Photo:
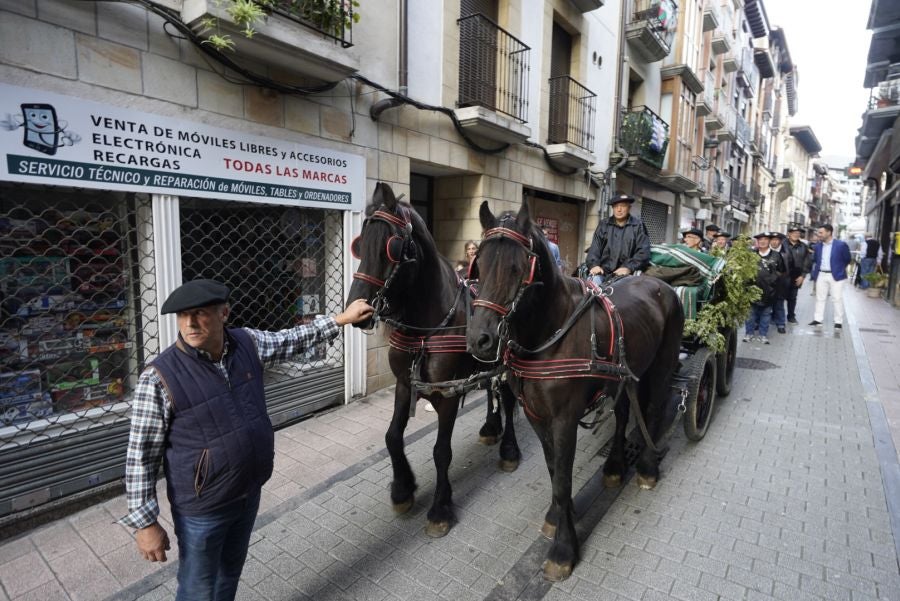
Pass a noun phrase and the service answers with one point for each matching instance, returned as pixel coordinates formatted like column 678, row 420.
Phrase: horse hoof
column 509, row 465
column 556, row 572
column 437, row 529
column 612, row 480
column 401, row 508
column 646, row 482
column 548, row 530
column 488, row 440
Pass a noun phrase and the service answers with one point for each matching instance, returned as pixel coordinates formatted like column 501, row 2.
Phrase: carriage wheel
column 701, row 397
column 725, row 362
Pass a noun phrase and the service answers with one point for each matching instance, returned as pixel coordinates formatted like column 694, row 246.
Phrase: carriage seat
column 691, row 273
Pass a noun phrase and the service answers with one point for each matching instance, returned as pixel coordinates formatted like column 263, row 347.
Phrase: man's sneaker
column 764, row 340
column 815, row 323
column 838, row 326
column 747, row 338
column 792, row 320
column 781, row 330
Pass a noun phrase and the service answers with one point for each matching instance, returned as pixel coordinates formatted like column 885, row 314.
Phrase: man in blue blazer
column 829, row 272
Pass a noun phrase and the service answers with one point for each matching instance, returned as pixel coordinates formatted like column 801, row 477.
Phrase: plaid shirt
column 151, row 413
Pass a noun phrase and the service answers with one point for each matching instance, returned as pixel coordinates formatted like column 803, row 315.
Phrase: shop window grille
column 283, row 265
column 78, row 312
column 655, row 216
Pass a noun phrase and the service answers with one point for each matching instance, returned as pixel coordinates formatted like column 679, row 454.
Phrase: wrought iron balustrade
column 645, row 134
column 493, row 68
column 332, row 18
column 572, row 109
column 660, row 17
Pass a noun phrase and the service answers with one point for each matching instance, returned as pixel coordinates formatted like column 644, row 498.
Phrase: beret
column 621, row 198
column 692, row 230
column 763, row 235
column 712, row 226
column 196, row 293
column 722, row 235
column 777, row 235
column 794, row 228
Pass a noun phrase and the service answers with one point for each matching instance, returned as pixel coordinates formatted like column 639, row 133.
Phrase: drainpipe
column 402, row 69
column 620, row 64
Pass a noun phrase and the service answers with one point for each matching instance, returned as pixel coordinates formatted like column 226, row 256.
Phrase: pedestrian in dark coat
column 799, row 262
column 770, row 269
column 779, row 315
column 621, row 244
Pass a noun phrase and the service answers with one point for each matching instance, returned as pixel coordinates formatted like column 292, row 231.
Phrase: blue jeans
column 866, row 266
column 212, row 548
column 778, row 314
column 760, row 316
column 597, row 279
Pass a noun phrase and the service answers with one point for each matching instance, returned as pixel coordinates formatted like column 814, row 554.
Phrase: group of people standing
column 784, row 264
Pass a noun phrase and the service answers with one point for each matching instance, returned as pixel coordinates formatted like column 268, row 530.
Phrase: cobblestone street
column 783, row 499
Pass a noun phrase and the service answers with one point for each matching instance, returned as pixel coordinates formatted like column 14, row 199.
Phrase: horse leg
column 551, row 518
column 615, row 466
column 440, row 516
column 509, row 447
column 403, row 486
column 653, row 394
column 490, row 431
column 564, row 552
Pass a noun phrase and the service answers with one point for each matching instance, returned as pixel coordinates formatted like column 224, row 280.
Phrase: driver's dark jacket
column 798, row 259
column 617, row 246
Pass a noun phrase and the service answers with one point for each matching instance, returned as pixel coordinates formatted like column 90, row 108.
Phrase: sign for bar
column 48, row 138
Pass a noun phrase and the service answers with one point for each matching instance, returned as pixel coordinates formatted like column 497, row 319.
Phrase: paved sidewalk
column 783, row 499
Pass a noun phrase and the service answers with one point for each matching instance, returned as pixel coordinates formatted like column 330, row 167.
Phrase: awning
column 740, row 215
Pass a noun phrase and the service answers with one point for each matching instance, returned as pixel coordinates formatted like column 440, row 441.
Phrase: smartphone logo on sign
column 41, row 128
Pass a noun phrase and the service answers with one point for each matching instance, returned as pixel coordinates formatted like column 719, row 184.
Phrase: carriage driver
column 621, row 244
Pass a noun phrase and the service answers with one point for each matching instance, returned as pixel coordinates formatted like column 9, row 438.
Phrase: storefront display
column 65, row 341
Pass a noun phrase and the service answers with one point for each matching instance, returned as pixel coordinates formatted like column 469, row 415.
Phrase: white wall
column 603, row 31
column 532, row 28
column 426, row 39
column 376, row 41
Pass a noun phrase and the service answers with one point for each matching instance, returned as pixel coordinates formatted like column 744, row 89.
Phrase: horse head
column 387, row 251
column 512, row 258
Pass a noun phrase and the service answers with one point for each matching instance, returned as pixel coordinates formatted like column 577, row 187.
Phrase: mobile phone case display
column 63, row 331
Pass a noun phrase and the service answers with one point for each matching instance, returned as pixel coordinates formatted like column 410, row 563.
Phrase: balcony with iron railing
column 755, row 198
column 493, row 80
column 742, row 131
column 651, row 28
column 881, row 112
column 728, row 116
column 747, row 75
column 711, row 16
column 645, row 136
column 570, row 131
column 707, row 102
column 311, row 38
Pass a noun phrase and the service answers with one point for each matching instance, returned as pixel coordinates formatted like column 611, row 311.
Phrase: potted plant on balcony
column 877, row 280
column 888, row 94
column 331, row 17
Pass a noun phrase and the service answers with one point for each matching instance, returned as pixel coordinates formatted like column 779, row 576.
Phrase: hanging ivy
column 733, row 308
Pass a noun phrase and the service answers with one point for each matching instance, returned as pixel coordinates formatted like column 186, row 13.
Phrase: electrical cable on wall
column 173, row 19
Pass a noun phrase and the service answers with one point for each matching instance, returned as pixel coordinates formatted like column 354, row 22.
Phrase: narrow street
column 784, row 499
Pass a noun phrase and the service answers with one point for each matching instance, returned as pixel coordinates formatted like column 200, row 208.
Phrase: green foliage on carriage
column 723, row 293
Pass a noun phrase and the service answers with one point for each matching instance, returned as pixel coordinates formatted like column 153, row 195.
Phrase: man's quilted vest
column 220, row 445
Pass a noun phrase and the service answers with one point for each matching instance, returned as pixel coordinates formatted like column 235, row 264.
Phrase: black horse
column 418, row 293
column 564, row 345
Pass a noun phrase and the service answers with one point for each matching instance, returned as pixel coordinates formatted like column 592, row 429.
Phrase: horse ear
column 487, row 218
column 387, row 195
column 523, row 219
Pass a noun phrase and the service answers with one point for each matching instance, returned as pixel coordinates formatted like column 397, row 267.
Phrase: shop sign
column 52, row 139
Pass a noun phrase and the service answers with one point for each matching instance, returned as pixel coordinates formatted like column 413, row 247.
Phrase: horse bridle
column 506, row 311
column 399, row 249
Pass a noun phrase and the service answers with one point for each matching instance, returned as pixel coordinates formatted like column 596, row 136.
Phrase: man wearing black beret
column 692, row 238
column 621, row 244
column 711, row 230
column 199, row 408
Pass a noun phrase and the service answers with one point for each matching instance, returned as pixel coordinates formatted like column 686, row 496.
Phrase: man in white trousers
column 829, row 272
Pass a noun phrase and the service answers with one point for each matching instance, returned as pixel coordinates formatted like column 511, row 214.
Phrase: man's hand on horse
column 596, row 270
column 358, row 310
column 622, row 271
